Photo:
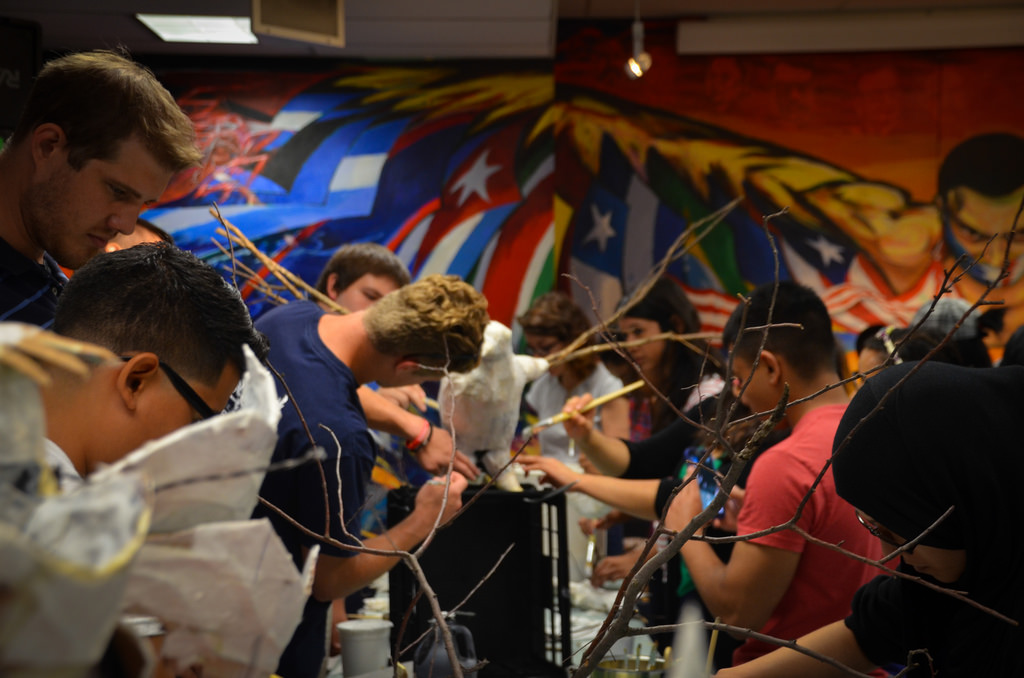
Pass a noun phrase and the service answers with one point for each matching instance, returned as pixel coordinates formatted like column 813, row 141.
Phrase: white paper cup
column 365, row 645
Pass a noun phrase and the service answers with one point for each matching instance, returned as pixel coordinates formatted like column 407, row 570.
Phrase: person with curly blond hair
column 413, row 334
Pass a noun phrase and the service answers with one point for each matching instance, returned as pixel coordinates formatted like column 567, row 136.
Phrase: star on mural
column 602, row 231
column 475, row 179
column 829, row 251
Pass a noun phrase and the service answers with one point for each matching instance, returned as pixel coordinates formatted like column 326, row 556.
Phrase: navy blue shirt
column 28, row 290
column 324, row 389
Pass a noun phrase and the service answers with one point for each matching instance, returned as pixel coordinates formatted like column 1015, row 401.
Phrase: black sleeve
column 665, row 488
column 876, row 620
column 662, row 455
column 659, row 455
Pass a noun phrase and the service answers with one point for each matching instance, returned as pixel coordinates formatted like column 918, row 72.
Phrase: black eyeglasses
column 187, row 392
column 885, row 535
column 542, row 350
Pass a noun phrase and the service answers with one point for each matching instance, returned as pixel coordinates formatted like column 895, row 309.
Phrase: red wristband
column 417, row 443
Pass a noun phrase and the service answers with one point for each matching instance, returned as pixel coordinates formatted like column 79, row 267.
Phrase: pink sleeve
column 774, row 491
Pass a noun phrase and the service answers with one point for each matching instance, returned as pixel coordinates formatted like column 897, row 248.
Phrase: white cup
column 365, row 645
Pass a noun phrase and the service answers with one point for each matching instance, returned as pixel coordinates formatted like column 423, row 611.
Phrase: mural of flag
column 490, row 171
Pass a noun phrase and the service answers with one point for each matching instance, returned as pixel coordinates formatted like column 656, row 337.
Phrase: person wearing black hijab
column 917, row 440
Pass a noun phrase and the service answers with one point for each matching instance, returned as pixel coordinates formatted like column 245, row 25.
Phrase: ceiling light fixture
column 640, row 62
column 216, row 29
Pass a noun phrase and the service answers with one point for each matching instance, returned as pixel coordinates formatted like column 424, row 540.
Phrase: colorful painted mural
column 889, row 166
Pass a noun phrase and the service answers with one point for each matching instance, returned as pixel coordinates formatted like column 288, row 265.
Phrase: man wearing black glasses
column 178, row 328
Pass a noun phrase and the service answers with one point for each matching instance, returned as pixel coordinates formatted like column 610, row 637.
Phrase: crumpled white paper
column 228, row 595
column 228, row 592
column 481, row 407
column 25, row 352
column 64, row 570
column 223, row 586
column 63, row 558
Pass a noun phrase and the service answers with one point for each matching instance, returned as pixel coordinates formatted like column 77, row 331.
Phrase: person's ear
column 332, row 282
column 772, row 366
column 138, row 375
column 47, row 140
column 409, row 370
column 406, row 365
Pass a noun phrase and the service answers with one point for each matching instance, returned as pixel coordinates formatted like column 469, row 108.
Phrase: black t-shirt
column 28, row 290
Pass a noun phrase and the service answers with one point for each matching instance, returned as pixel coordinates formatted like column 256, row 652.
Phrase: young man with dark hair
column 178, row 328
column 781, row 584
column 98, row 140
column 359, row 274
column 415, row 333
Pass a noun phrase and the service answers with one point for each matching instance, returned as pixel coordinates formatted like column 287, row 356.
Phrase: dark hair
column 351, row 262
column 1013, row 352
column 156, row 297
column 807, row 348
column 155, row 230
column 556, row 315
column 102, row 98
column 991, row 164
column 667, row 304
column 865, row 336
column 913, row 347
column 992, row 320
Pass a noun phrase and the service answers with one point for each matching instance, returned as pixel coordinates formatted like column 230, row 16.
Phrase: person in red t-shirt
column 781, row 584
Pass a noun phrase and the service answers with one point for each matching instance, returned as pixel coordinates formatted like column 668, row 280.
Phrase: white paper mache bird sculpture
column 481, row 407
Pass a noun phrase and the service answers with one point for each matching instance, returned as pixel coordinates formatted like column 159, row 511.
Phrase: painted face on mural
column 981, row 227
column 819, row 134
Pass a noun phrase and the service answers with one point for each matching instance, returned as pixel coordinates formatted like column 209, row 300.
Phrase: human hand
column 169, row 667
column 588, row 466
column 404, row 396
column 555, row 472
column 728, row 522
column 612, row 568
column 432, row 495
column 435, row 455
column 338, row 615
column 684, row 506
column 610, row 519
column 579, row 425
